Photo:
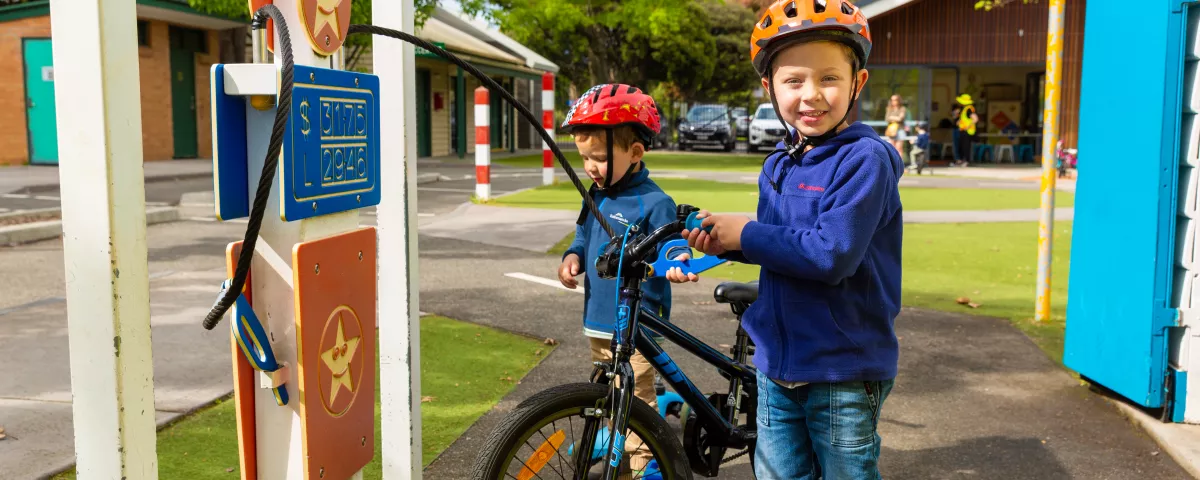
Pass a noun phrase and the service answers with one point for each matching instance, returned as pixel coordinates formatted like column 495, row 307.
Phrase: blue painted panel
column 331, row 145
column 1122, row 253
column 229, row 150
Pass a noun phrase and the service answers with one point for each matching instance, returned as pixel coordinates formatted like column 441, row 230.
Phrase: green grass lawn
column 992, row 264
column 659, row 161
column 743, row 197
column 465, row 370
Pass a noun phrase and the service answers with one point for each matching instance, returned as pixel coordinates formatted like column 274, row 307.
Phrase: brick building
column 176, row 46
column 930, row 51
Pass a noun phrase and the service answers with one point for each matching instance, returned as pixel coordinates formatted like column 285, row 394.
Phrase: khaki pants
column 643, row 388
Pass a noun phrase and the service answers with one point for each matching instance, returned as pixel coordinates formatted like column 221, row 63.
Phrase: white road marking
column 3, row 210
column 541, row 280
column 14, row 195
column 426, row 215
column 453, row 190
column 46, row 197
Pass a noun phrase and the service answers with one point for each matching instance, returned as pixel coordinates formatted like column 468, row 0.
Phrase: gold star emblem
column 338, row 361
column 327, row 15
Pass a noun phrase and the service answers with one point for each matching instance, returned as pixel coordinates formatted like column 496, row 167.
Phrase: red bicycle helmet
column 615, row 105
column 836, row 20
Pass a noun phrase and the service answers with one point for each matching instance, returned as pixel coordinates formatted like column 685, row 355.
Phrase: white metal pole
column 104, row 237
column 399, row 317
column 548, row 124
column 483, row 146
column 278, row 429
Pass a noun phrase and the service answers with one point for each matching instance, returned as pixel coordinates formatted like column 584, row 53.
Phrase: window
column 143, row 32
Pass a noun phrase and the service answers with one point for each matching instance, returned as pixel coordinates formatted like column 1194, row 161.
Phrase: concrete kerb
column 32, row 232
column 1173, row 438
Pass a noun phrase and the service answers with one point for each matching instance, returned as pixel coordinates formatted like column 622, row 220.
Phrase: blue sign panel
column 330, row 158
column 232, row 199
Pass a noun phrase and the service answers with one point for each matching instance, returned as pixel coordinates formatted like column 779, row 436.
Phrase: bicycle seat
column 736, row 292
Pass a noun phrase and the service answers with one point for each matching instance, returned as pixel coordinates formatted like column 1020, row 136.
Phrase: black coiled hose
column 284, row 105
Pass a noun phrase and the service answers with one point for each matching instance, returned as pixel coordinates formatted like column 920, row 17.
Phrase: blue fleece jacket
column 828, row 238
column 641, row 201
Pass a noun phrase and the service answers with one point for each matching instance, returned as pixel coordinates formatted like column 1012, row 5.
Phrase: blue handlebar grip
column 693, row 223
column 670, row 250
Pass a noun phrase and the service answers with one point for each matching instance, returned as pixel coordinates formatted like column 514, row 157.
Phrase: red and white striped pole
column 548, row 124
column 483, row 146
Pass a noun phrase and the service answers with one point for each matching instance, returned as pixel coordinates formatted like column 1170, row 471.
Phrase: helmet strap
column 609, row 170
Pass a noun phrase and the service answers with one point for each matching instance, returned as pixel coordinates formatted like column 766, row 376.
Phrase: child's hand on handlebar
column 726, row 233
column 675, row 274
column 568, row 270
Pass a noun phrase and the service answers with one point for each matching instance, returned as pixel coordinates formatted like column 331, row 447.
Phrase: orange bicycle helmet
column 835, row 20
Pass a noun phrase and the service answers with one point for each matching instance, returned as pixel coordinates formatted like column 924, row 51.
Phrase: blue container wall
column 1122, row 252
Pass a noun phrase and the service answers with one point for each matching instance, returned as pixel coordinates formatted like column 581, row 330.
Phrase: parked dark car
column 709, row 125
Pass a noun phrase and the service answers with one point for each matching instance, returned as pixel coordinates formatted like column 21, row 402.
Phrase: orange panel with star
column 326, row 23
column 335, row 332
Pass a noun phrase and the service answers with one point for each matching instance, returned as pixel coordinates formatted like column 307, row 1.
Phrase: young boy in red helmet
column 613, row 126
column 828, row 239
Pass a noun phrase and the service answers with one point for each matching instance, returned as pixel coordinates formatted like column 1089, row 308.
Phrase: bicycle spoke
column 554, row 425
column 560, row 474
column 527, row 465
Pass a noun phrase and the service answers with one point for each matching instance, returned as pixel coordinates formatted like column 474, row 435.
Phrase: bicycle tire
column 508, row 437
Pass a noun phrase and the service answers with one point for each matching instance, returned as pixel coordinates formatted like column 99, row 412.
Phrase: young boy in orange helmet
column 828, row 239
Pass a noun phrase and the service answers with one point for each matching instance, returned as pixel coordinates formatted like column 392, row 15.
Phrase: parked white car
column 765, row 129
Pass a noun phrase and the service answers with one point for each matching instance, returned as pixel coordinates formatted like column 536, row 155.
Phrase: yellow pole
column 1054, row 48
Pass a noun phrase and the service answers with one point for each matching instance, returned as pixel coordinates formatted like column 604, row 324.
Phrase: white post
column 104, row 237
column 548, row 124
column 483, row 146
column 280, row 444
column 399, row 316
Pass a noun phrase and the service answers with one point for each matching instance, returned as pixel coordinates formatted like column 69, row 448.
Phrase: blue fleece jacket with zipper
column 640, row 200
column 828, row 239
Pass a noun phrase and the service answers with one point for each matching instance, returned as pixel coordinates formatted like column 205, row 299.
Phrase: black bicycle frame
column 679, row 381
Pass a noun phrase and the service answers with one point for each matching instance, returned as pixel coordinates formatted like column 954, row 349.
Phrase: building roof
column 172, row 11
column 875, row 8
column 438, row 31
column 480, row 30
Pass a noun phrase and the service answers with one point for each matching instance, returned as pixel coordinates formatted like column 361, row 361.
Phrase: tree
column 988, row 5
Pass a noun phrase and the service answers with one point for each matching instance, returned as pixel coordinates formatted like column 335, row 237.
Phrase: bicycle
column 520, row 447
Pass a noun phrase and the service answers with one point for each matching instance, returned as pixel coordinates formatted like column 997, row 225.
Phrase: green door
column 496, row 111
column 424, row 116
column 183, row 91
column 39, row 101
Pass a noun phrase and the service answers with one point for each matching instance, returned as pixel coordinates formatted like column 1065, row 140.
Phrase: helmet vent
column 847, row 9
column 790, row 9
column 613, row 92
column 631, row 89
column 766, row 21
column 818, row 6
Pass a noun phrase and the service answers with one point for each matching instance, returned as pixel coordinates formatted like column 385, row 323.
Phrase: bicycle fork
column 623, row 388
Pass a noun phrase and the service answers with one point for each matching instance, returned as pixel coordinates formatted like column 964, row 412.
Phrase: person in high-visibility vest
column 965, row 133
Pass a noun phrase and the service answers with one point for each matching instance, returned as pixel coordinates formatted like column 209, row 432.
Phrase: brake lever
column 672, row 249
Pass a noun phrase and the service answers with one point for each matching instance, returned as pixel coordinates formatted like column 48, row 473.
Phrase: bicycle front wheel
column 545, row 438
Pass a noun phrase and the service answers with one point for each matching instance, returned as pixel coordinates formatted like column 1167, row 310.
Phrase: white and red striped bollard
column 483, row 146
column 548, row 124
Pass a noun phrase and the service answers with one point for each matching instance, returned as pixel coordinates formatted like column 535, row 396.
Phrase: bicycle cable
column 229, row 295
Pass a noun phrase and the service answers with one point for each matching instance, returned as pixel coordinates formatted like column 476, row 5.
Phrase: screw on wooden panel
column 327, row 40
column 364, row 441
column 360, row 255
column 322, row 472
column 312, row 77
column 314, row 206
column 356, row 82
column 358, row 198
column 317, row 269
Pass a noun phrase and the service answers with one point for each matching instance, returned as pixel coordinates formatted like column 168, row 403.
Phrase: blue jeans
column 819, row 430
